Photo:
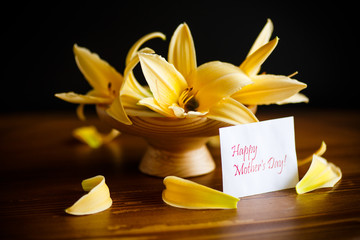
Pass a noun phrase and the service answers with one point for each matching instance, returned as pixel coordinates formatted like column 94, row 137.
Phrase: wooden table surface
column 42, row 167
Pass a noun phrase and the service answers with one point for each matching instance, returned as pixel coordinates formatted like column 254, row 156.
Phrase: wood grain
column 42, row 167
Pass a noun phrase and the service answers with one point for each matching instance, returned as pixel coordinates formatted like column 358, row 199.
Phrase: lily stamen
column 187, row 100
column 293, row 74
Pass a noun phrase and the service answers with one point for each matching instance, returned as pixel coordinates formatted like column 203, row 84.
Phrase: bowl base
column 184, row 163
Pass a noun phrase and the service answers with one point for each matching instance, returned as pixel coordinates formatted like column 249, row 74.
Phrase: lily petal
column 80, row 112
column 268, row 89
column 132, row 87
column 133, row 108
column 83, row 99
column 183, row 193
column 297, row 98
column 98, row 199
column 321, row 174
column 178, row 111
column 182, row 50
column 117, row 112
column 134, row 49
column 155, row 106
column 319, row 152
column 165, row 82
column 214, row 81
column 251, row 65
column 263, row 37
column 90, row 136
column 97, row 72
column 194, row 114
column 232, row 112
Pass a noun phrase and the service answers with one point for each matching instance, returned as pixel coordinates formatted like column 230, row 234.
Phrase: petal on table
column 183, row 193
column 90, row 136
column 96, row 200
column 321, row 174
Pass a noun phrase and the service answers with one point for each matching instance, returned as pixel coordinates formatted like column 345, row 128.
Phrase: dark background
column 318, row 41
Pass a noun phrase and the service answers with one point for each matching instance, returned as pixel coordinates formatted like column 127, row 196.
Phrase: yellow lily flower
column 106, row 82
column 267, row 88
column 178, row 88
column 96, row 200
column 184, row 193
column 181, row 89
column 212, row 84
column 183, row 56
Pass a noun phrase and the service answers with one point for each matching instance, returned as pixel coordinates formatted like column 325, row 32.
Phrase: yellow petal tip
column 319, row 152
column 184, row 193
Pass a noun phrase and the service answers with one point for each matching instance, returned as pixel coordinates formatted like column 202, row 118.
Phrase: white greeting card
column 259, row 157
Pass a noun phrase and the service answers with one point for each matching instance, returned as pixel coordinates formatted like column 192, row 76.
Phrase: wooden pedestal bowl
column 176, row 146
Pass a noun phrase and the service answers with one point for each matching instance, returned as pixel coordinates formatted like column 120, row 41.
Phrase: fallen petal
column 321, row 174
column 90, row 136
column 183, row 193
column 98, row 199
